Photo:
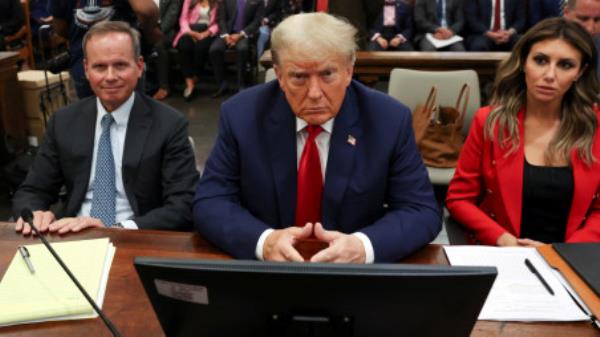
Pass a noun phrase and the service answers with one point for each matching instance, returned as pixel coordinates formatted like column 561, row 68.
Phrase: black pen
column 25, row 255
column 535, row 272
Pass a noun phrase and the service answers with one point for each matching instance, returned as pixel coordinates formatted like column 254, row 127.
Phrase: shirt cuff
column 401, row 36
column 369, row 253
column 129, row 224
column 375, row 36
column 261, row 242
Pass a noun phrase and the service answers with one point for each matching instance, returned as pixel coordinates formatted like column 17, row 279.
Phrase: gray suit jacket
column 169, row 17
column 426, row 17
column 158, row 170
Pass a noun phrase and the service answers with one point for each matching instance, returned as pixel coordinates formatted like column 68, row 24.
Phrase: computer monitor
column 253, row 298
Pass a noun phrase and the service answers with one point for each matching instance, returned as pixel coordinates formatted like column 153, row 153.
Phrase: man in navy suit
column 315, row 154
column 493, row 25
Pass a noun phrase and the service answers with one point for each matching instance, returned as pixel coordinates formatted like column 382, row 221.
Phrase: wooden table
column 371, row 65
column 12, row 114
column 128, row 307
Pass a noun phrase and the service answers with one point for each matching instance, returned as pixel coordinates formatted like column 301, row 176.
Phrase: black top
column 547, row 194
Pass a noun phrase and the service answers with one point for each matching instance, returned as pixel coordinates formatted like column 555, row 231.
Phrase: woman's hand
column 529, row 243
column 507, row 240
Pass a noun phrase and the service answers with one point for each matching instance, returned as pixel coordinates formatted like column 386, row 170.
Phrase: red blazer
column 485, row 194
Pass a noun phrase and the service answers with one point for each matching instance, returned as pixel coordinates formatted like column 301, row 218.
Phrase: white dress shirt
column 118, row 130
column 322, row 141
column 502, row 22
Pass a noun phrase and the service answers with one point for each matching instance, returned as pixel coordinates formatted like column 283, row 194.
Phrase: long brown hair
column 578, row 120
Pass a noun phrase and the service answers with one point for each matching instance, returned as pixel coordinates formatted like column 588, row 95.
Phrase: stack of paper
column 437, row 43
column 517, row 293
column 49, row 293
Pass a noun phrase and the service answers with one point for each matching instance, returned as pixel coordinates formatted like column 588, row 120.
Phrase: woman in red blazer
column 529, row 172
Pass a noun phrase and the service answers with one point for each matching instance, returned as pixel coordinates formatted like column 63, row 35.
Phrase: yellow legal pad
column 49, row 293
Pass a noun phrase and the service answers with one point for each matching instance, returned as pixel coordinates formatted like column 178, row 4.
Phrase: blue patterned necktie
column 440, row 12
column 105, row 190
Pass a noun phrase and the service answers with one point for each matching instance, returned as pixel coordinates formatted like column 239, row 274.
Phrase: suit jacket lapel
column 340, row 162
column 83, row 131
column 138, row 129
column 509, row 170
column 487, row 12
column 280, row 134
column 585, row 182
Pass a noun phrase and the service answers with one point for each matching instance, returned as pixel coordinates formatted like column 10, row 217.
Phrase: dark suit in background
column 478, row 19
column 158, row 168
column 426, row 21
column 275, row 11
column 169, row 17
column 227, row 14
column 403, row 26
column 542, row 9
column 11, row 19
column 360, row 13
column 375, row 181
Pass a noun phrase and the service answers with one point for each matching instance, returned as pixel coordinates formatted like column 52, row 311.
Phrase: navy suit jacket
column 543, row 9
column 478, row 16
column 378, row 185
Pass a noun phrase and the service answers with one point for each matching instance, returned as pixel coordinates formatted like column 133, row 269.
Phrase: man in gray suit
column 441, row 18
column 124, row 159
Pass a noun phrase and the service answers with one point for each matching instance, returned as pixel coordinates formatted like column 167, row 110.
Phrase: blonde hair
column 313, row 37
column 578, row 119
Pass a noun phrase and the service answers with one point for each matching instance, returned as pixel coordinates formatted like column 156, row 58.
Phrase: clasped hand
column 341, row 248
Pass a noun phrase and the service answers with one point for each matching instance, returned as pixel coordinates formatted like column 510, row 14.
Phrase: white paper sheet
column 517, row 294
column 437, row 43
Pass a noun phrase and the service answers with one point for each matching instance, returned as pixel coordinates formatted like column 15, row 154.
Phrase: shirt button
column 489, row 191
column 493, row 163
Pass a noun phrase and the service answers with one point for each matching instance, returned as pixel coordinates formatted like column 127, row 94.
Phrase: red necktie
column 310, row 181
column 497, row 17
column 322, row 6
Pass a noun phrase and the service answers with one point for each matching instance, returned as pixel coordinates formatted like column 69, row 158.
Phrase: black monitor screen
column 253, row 298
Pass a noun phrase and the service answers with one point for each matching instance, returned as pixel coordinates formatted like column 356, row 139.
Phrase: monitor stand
column 310, row 326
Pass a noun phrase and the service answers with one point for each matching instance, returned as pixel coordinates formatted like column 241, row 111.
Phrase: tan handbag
column 438, row 129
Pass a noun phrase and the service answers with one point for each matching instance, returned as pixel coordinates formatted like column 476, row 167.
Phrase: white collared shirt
column 118, row 130
column 502, row 22
column 323, row 140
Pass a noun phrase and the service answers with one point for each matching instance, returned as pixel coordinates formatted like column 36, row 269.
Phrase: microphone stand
column 28, row 218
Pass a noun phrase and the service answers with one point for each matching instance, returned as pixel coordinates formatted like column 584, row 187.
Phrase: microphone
column 27, row 216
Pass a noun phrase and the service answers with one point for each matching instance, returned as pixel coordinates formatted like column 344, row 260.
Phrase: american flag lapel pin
column 351, row 140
